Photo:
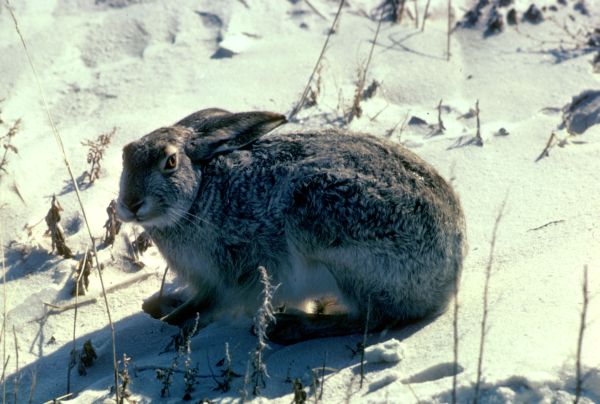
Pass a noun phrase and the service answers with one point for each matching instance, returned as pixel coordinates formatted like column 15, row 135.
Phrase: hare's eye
column 171, row 163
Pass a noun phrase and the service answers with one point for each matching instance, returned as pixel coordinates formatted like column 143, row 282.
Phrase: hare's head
column 162, row 171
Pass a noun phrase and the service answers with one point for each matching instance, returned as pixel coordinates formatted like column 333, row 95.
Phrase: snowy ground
column 140, row 64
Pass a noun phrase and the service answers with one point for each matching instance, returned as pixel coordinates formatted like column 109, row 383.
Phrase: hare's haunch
column 330, row 215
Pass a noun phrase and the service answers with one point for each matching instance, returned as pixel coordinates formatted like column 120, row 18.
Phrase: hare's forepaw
column 174, row 310
column 159, row 306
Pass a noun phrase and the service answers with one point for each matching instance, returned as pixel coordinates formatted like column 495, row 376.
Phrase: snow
column 139, row 65
column 390, row 351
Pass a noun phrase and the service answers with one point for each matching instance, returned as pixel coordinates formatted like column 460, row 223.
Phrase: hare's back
column 357, row 187
column 342, row 155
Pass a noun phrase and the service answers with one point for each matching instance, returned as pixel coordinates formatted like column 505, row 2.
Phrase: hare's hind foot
column 290, row 328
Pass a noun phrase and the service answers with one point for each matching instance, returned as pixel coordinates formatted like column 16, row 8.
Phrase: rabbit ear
column 218, row 132
column 197, row 119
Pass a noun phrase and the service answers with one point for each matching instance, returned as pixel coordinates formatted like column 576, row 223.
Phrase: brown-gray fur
column 328, row 213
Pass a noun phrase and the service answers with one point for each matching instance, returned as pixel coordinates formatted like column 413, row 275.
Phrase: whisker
column 176, row 217
column 183, row 220
column 191, row 217
column 182, row 217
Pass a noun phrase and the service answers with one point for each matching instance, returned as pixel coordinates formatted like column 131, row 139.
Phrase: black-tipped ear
column 218, row 132
column 198, row 118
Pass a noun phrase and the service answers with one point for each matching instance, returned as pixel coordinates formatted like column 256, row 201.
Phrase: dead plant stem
column 4, row 369
column 578, row 371
column 162, row 283
column 449, row 32
column 364, row 343
column 298, row 106
column 486, row 288
column 17, row 371
column 478, row 138
column 425, row 15
column 92, row 300
column 4, row 314
column 315, row 10
column 323, row 377
column 416, row 15
column 355, row 112
column 441, row 126
column 549, row 144
column 455, row 342
column 33, row 385
column 74, row 349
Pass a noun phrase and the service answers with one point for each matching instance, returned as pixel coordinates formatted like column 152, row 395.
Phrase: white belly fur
column 305, row 280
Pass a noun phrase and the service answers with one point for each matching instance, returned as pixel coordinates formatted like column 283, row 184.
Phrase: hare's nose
column 134, row 206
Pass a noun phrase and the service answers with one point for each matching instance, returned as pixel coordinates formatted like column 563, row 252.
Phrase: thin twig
column 582, row 325
column 313, row 387
column 210, row 369
column 449, row 32
column 441, row 126
column 162, row 283
column 74, row 349
column 400, row 13
column 455, row 342
column 4, row 314
column 33, row 385
column 374, row 117
column 4, row 372
column 17, row 372
column 425, row 15
column 244, row 390
column 300, row 104
column 58, row 309
column 547, row 224
column 549, row 144
column 16, row 190
column 58, row 399
column 416, row 15
column 418, row 400
column 356, row 110
column 314, row 9
column 323, row 376
column 364, row 343
column 76, row 188
column 402, row 122
column 478, row 139
column 486, row 288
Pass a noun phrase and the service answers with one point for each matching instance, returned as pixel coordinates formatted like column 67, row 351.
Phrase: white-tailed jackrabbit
column 329, row 214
